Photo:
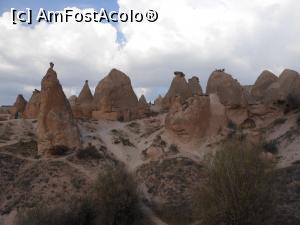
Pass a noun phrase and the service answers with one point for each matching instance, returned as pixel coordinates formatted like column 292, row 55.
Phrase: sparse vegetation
column 298, row 120
column 292, row 103
column 279, row 121
column 88, row 153
column 59, row 150
column 231, row 125
column 112, row 200
column 173, row 148
column 116, row 193
column 271, row 146
column 238, row 189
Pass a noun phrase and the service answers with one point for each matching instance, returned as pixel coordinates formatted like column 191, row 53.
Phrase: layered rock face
column 114, row 98
column 56, row 125
column 198, row 117
column 229, row 91
column 33, row 106
column 263, row 82
column 179, row 88
column 20, row 104
column 83, row 105
column 194, row 86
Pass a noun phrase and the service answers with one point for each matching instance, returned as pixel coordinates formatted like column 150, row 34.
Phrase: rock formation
column 33, row 106
column 143, row 107
column 197, row 118
column 179, row 88
column 83, row 105
column 85, row 96
column 56, row 125
column 287, row 80
column 229, row 91
column 20, row 104
column 114, row 98
column 72, row 100
column 263, row 82
column 194, row 86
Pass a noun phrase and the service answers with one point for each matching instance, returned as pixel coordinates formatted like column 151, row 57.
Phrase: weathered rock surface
column 198, row 117
column 229, row 91
column 263, row 82
column 20, row 104
column 195, row 86
column 33, row 106
column 83, row 105
column 56, row 125
column 179, row 88
column 114, row 98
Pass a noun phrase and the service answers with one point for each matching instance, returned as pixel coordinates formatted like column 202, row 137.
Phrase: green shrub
column 116, row 193
column 238, row 189
column 271, row 146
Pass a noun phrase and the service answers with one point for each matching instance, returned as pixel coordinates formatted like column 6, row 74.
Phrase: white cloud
column 195, row 36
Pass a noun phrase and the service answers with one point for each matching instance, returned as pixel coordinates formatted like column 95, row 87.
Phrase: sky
column 194, row 36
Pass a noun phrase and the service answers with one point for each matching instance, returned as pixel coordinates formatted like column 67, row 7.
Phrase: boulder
column 56, row 125
column 287, row 80
column 114, row 97
column 33, row 106
column 20, row 104
column 263, row 82
column 229, row 90
column 194, row 86
column 179, row 88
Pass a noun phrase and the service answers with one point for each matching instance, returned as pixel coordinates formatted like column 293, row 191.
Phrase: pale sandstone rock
column 115, row 98
column 56, row 125
column 20, row 104
column 179, row 88
column 33, row 106
column 263, row 82
column 229, row 91
column 195, row 86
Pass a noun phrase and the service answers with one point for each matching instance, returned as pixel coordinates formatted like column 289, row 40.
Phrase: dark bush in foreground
column 82, row 213
column 116, row 192
column 59, row 150
column 238, row 189
column 88, row 153
column 112, row 200
column 271, row 146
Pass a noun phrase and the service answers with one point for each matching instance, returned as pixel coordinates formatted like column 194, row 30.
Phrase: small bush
column 271, row 146
column 173, row 148
column 77, row 212
column 292, row 103
column 59, row 150
column 88, row 153
column 238, row 189
column 298, row 120
column 231, row 125
column 279, row 121
column 116, row 192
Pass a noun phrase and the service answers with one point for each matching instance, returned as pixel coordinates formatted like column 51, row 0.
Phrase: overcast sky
column 193, row 36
